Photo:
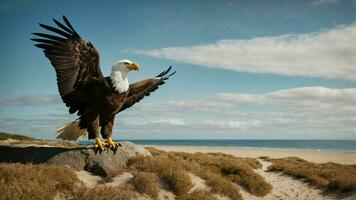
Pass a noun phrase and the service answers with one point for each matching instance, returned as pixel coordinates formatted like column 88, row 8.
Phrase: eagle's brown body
column 83, row 87
column 102, row 106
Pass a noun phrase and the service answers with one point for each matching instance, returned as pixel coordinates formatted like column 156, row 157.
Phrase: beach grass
column 26, row 181
column 237, row 170
column 146, row 183
column 169, row 170
column 328, row 176
column 219, row 184
column 43, row 181
column 223, row 173
column 5, row 136
column 198, row 195
column 103, row 192
column 24, row 140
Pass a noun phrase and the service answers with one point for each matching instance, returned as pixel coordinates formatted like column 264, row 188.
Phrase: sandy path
column 285, row 187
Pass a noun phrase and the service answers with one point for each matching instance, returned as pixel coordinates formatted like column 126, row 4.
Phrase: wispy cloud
column 323, row 2
column 326, row 54
column 229, row 124
column 203, row 105
column 32, row 100
column 306, row 97
column 169, row 122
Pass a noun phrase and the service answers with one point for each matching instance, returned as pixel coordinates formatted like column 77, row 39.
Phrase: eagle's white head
column 119, row 73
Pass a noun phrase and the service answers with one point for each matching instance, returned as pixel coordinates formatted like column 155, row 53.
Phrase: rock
column 104, row 164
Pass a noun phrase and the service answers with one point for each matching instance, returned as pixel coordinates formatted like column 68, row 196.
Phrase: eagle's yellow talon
column 112, row 145
column 99, row 145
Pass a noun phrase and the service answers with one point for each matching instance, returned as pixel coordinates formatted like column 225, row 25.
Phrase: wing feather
column 63, row 27
column 73, row 59
column 138, row 90
column 56, row 30
column 68, row 23
column 52, row 37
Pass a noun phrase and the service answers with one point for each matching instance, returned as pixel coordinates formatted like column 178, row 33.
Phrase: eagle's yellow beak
column 134, row 66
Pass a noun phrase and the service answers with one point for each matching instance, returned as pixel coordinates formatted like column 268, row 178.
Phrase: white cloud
column 231, row 124
column 327, row 54
column 311, row 110
column 32, row 100
column 324, row 2
column 203, row 105
column 169, row 122
column 320, row 98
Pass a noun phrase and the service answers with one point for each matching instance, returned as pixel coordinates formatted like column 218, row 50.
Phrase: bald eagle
column 83, row 88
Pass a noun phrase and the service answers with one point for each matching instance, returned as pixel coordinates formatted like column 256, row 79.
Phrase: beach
column 309, row 155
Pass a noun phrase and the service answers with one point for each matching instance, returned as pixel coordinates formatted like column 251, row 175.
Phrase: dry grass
column 328, row 176
column 215, row 159
column 198, row 195
column 113, row 173
column 244, row 175
column 237, row 170
column 5, row 136
column 220, row 171
column 64, row 144
column 156, row 152
column 27, row 181
column 219, row 184
column 36, row 182
column 24, row 140
column 146, row 183
column 105, row 193
column 170, row 171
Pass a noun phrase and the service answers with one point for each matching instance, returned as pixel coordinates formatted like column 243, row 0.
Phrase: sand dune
column 284, row 187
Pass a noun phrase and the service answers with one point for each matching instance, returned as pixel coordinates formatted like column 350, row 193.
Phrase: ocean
column 315, row 145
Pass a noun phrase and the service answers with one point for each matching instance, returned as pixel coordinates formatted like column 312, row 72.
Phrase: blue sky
column 246, row 69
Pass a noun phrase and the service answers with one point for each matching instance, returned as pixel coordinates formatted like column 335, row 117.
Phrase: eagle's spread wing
column 139, row 90
column 76, row 61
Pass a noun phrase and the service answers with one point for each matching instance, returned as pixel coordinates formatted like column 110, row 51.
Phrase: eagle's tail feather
column 71, row 131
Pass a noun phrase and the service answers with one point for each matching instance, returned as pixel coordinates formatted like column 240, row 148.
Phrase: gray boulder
column 104, row 164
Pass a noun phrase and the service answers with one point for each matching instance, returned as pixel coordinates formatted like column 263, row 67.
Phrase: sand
column 312, row 156
column 285, row 187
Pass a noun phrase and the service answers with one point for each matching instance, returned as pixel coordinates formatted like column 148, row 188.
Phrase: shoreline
column 237, row 147
column 255, row 152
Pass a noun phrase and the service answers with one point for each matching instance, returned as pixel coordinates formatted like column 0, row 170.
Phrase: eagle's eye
column 126, row 63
